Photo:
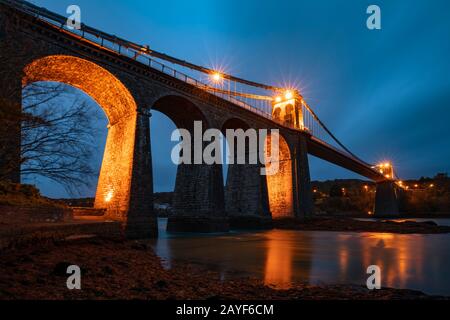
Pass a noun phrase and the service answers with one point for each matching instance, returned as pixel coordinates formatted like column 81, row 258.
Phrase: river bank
column 118, row 269
column 353, row 225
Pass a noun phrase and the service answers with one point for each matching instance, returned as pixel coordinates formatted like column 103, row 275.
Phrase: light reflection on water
column 439, row 221
column 282, row 256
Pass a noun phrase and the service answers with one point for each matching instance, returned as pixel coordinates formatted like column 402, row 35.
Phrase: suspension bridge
column 128, row 80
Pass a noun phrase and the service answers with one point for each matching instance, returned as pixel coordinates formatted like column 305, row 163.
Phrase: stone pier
column 303, row 200
column 246, row 197
column 386, row 200
column 198, row 203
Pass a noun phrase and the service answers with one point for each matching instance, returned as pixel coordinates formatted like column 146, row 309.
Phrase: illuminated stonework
column 386, row 169
column 279, row 185
column 288, row 112
column 113, row 190
column 110, row 94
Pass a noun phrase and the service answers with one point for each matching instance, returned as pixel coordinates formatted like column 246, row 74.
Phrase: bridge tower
column 387, row 195
column 386, row 169
column 286, row 109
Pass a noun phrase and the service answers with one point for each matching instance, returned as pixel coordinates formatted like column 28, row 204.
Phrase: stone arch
column 280, row 184
column 197, row 202
column 235, row 123
column 114, row 182
column 182, row 111
column 101, row 85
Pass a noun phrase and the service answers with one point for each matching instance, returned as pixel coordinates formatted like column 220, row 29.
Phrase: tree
column 57, row 135
column 10, row 119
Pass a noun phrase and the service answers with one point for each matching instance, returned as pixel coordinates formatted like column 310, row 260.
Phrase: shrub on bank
column 16, row 194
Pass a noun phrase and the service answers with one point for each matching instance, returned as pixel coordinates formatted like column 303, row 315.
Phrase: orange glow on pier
column 279, row 185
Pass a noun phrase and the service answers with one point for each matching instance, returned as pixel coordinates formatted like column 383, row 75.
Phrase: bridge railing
column 164, row 68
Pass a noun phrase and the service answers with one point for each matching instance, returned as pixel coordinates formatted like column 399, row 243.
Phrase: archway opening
column 280, row 183
column 113, row 189
column 164, row 170
column 63, row 139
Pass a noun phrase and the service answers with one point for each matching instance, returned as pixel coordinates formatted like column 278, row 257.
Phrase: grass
column 16, row 194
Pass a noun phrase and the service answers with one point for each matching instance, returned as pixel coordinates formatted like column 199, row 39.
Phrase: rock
column 60, row 269
column 107, row 270
column 140, row 289
column 139, row 246
column 25, row 259
column 161, row 284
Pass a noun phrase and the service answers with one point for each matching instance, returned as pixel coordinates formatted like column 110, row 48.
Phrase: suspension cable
column 326, row 129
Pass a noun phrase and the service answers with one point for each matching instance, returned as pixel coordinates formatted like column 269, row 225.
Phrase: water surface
column 279, row 257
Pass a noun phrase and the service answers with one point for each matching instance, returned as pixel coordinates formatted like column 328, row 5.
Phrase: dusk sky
column 384, row 93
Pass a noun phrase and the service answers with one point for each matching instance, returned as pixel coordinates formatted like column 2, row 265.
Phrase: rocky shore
column 353, row 225
column 120, row 269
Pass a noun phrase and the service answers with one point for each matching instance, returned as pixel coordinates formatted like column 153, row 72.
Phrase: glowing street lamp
column 217, row 77
column 289, row 95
